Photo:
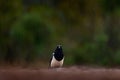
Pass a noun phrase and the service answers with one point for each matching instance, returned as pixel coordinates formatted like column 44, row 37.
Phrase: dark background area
column 88, row 30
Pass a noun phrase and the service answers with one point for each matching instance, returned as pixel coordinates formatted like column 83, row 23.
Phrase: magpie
column 57, row 58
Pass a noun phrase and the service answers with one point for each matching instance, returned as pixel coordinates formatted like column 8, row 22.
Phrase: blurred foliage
column 29, row 35
column 88, row 31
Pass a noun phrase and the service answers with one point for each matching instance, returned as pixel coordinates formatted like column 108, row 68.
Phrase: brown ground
column 72, row 73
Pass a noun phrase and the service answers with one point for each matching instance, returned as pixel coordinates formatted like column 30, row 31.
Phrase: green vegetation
column 88, row 31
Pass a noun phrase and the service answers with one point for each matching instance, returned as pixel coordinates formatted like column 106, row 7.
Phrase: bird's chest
column 55, row 63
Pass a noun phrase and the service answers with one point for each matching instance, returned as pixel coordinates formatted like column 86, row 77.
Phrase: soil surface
column 70, row 73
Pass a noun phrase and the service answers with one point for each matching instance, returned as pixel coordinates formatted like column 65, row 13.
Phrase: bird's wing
column 50, row 59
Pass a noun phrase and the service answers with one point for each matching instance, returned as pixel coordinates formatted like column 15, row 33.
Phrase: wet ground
column 70, row 73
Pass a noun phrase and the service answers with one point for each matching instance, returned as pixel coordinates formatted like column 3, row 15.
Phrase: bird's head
column 58, row 54
column 59, row 50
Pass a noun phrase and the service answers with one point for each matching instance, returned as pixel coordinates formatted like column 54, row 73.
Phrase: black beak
column 59, row 46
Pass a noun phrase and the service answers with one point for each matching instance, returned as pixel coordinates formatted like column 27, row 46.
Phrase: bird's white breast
column 55, row 63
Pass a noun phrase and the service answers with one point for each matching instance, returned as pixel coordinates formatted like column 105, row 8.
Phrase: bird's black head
column 58, row 54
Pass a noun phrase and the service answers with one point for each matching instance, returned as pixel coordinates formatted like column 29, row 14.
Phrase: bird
column 57, row 58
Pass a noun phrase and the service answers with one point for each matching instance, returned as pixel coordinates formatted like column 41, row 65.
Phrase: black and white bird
column 57, row 58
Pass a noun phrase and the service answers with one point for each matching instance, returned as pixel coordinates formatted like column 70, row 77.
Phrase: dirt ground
column 70, row 73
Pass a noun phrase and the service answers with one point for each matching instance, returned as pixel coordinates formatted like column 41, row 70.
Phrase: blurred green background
column 87, row 29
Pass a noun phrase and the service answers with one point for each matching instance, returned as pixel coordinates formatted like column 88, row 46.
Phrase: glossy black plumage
column 58, row 54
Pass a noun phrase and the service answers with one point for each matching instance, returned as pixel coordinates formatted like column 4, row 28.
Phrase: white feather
column 55, row 63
